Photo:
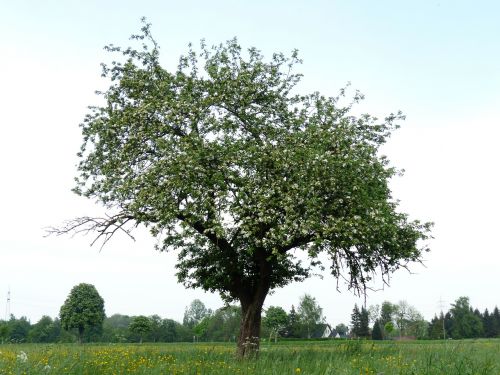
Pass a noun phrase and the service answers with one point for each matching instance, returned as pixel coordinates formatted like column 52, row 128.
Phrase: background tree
column 495, row 329
column 82, row 310
column 360, row 322
column 276, row 320
column 4, row 331
column 115, row 328
column 373, row 313
column 355, row 321
column 195, row 313
column 341, row 329
column 44, row 330
column 364, row 323
column 377, row 331
column 435, row 329
column 389, row 329
column 387, row 310
column 222, row 160
column 140, row 325
column 465, row 324
column 18, row 329
column 310, row 313
column 293, row 326
column 448, row 324
column 156, row 331
column 224, row 324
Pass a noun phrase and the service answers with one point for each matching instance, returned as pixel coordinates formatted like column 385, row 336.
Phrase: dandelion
column 22, row 357
column 298, row 370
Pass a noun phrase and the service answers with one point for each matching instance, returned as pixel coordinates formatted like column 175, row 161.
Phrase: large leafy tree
column 225, row 162
column 82, row 310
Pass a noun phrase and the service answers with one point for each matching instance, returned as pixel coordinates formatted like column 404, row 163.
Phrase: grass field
column 292, row 358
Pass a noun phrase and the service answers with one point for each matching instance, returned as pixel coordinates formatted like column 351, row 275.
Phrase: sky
column 437, row 61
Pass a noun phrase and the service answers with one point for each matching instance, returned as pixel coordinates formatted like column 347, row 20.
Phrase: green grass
column 474, row 357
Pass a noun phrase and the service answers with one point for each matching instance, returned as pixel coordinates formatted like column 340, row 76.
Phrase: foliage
column 223, row 161
column 387, row 311
column 409, row 321
column 140, row 325
column 82, row 310
column 377, row 331
column 18, row 329
column 465, row 324
column 310, row 313
column 293, row 326
column 276, row 320
column 341, row 329
column 4, row 331
column 195, row 313
column 436, row 328
column 360, row 322
column 115, row 328
column 45, row 330
column 224, row 324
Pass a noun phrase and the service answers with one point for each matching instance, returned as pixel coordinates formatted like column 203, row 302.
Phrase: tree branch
column 105, row 228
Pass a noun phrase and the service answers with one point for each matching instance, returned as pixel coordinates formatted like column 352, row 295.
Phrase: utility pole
column 7, row 306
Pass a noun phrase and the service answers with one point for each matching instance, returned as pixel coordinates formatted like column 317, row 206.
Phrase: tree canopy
column 226, row 162
column 83, row 309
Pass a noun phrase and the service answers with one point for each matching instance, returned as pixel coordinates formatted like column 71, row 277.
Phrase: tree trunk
column 251, row 314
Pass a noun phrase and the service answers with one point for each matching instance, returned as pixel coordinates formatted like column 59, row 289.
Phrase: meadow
column 471, row 357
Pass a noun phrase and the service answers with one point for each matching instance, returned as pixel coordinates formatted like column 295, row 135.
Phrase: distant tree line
column 403, row 321
column 82, row 319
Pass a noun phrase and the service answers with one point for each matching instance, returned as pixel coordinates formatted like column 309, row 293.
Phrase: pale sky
column 437, row 61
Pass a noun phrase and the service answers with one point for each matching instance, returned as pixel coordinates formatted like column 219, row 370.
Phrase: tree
column 195, row 313
column 44, row 330
column 389, row 328
column 341, row 329
column 223, row 161
column 465, row 323
column 223, row 325
column 377, row 331
column 276, row 320
column 436, row 327
column 293, row 326
column 373, row 313
column 140, row 325
column 115, row 328
column 360, row 322
column 19, row 329
column 355, row 321
column 495, row 316
column 82, row 310
column 4, row 331
column 364, row 323
column 387, row 311
column 310, row 313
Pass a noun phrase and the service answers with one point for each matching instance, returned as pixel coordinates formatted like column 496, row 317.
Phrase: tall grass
column 479, row 357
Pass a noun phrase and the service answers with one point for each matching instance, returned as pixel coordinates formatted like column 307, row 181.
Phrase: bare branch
column 105, row 227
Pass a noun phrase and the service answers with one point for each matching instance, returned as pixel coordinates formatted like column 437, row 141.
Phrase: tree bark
column 249, row 338
column 252, row 299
